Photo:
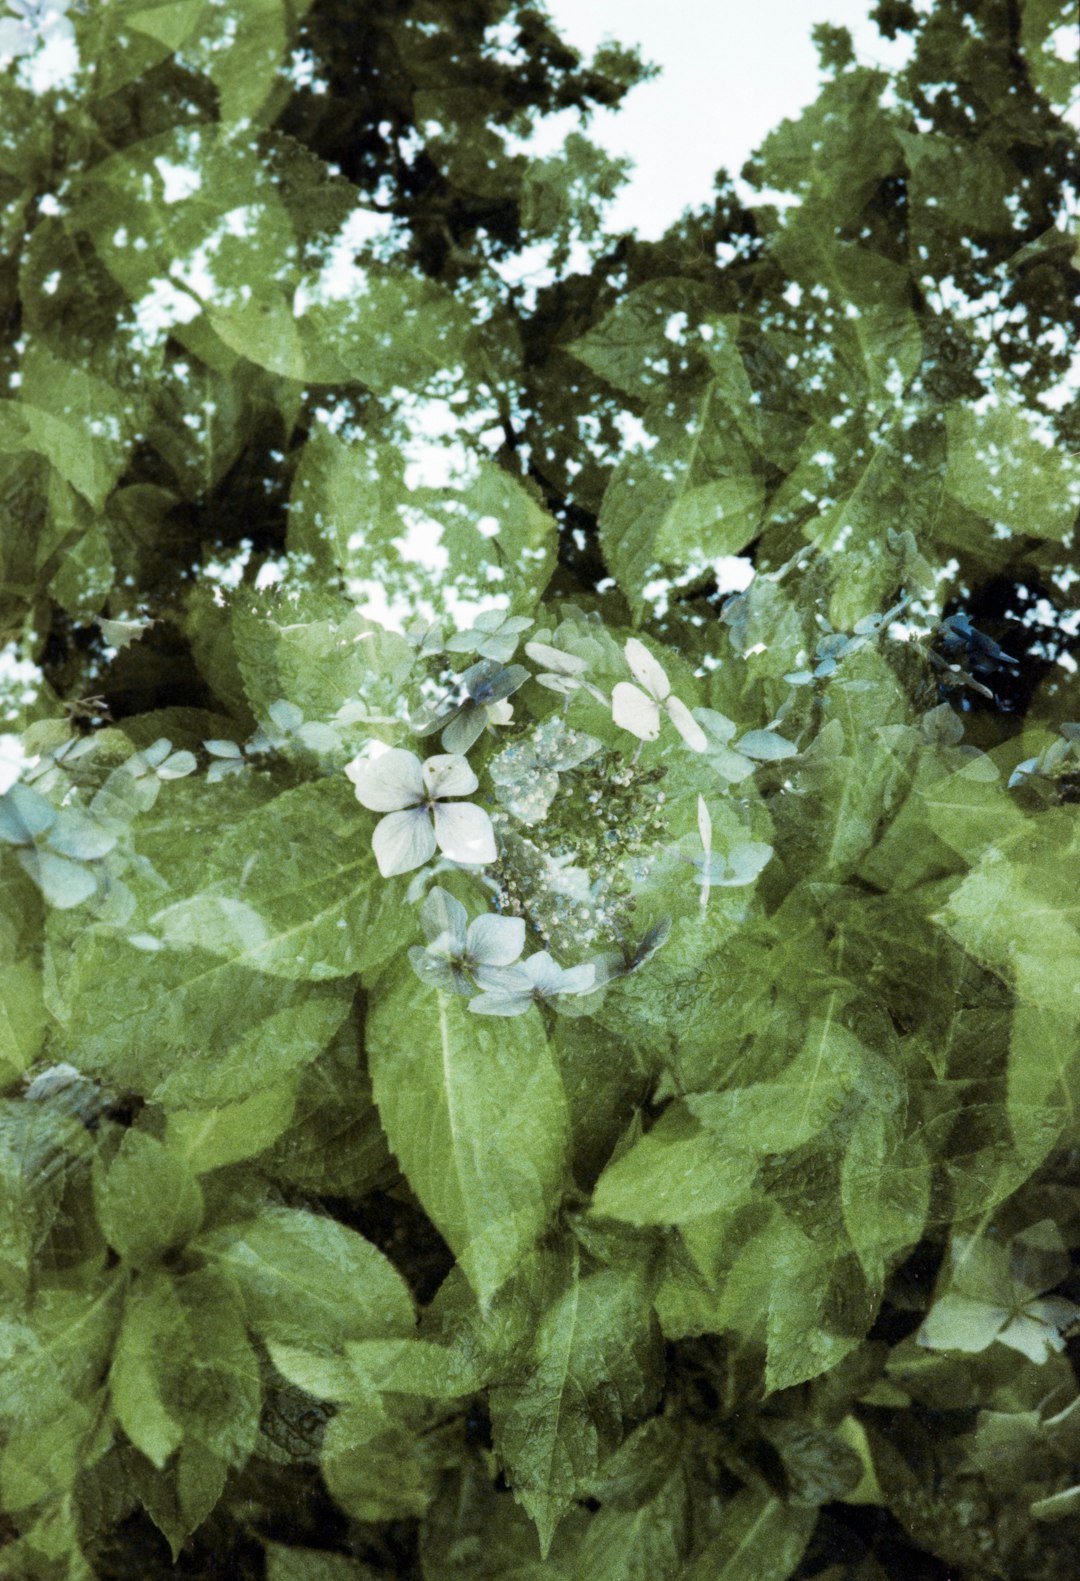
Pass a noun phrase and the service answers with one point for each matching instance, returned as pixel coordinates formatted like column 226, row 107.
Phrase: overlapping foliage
column 518, row 1060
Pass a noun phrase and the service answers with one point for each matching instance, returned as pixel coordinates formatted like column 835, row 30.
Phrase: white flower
column 160, row 760
column 510, row 990
column 493, row 635
column 740, row 867
column 415, row 796
column 457, row 947
column 286, row 723
column 638, row 710
column 229, row 760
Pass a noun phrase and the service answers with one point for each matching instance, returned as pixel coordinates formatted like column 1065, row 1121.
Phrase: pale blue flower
column 993, row 1293
column 526, row 773
column 228, row 760
column 51, row 772
column 722, row 756
column 493, row 635
column 51, row 846
column 285, row 725
column 161, row 761
column 620, row 963
column 741, row 866
column 425, row 636
column 510, row 990
column 765, row 746
column 457, row 949
column 421, row 815
column 487, row 685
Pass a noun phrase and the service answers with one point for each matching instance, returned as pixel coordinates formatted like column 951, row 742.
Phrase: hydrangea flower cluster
column 577, row 829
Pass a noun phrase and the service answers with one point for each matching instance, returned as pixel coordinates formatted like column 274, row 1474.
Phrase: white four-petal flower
column 637, row 708
column 510, row 990
column 416, row 797
column 457, row 947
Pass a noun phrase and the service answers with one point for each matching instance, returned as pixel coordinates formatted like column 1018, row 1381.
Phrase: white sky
column 731, row 72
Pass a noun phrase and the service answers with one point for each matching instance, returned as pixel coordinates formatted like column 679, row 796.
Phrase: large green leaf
column 476, row 1116
column 303, row 1275
column 147, row 1200
column 318, row 653
column 139, row 1016
column 485, row 532
column 761, row 1539
column 1003, row 465
column 631, row 346
column 312, row 907
column 592, row 1363
column 679, row 1170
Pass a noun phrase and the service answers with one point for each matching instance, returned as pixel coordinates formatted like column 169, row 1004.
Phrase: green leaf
column 147, row 1201
column 152, row 1327
column 319, row 656
column 86, row 575
column 378, row 1470
column 630, row 347
column 334, row 1145
column 474, row 1532
column 1051, row 72
column 170, row 24
column 689, row 498
column 285, row 1563
column 301, row 1274
column 139, row 1016
column 476, row 1116
column 760, row 1539
column 60, row 1348
column 1043, row 1093
column 22, row 1016
column 642, row 1529
column 819, row 1466
column 77, row 457
column 678, row 1171
column 313, row 906
column 1057, row 1506
column 885, row 1189
column 833, row 155
column 392, row 330
column 810, row 1092
column 592, row 1364
column 412, row 1367
column 1021, row 918
column 878, row 337
column 1003, row 466
column 179, row 1499
column 209, row 1139
column 241, row 55
column 352, row 511
column 266, row 1058
column 43, row 1461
